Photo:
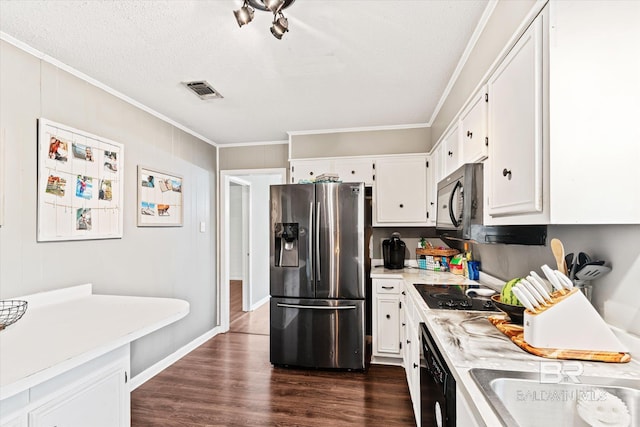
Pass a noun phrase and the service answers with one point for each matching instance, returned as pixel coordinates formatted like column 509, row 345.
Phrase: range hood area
column 534, row 235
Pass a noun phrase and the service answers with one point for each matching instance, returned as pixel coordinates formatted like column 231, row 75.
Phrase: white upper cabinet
column 452, row 147
column 348, row 169
column 354, row 170
column 563, row 107
column 400, row 190
column 308, row 169
column 515, row 167
column 594, row 105
column 432, row 192
column 473, row 126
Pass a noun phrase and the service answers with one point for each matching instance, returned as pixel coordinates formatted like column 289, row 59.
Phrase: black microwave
column 459, row 215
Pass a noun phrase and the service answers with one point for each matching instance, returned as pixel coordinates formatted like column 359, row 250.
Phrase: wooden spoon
column 558, row 252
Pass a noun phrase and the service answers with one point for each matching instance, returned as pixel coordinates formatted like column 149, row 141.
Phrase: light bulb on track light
column 244, row 15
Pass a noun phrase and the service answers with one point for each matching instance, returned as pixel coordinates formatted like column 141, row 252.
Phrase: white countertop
column 63, row 329
column 468, row 340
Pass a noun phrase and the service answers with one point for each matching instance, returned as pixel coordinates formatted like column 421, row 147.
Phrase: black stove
column 454, row 297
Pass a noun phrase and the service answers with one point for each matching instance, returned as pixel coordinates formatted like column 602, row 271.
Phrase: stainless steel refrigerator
column 317, row 278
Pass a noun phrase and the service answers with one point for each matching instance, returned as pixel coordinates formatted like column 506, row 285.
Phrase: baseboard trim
column 163, row 364
column 260, row 303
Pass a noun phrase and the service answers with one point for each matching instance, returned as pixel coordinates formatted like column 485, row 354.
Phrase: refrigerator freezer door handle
column 310, row 238
column 318, row 307
column 317, row 239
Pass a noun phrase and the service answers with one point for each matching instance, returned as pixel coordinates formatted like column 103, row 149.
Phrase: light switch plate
column 202, row 227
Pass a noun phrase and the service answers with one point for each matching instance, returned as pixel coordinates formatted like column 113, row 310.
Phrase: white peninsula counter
column 67, row 361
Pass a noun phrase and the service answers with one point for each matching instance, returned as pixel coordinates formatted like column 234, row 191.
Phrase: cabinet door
column 452, row 157
column 100, row 402
column 432, row 192
column 473, row 124
column 354, row 170
column 308, row 169
column 20, row 421
column 387, row 325
column 515, row 128
column 401, row 190
column 412, row 365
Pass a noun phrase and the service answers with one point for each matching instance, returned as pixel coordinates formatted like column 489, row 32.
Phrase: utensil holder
column 585, row 286
column 570, row 323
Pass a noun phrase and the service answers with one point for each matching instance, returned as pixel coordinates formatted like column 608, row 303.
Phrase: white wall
column 235, row 232
column 260, row 234
column 164, row 262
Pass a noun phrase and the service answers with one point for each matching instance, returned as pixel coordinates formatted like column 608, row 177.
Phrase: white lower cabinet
column 386, row 314
column 97, row 402
column 94, row 394
column 464, row 417
column 20, row 421
column 412, row 355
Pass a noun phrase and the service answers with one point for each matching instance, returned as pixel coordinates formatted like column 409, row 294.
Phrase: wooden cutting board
column 516, row 334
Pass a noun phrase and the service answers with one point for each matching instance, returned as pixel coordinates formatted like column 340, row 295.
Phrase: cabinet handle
column 408, row 341
column 353, row 172
column 404, row 293
column 310, row 173
column 432, row 203
column 401, row 205
column 403, row 323
column 387, row 287
column 450, row 153
column 506, row 172
column 388, row 316
column 415, row 366
column 470, row 134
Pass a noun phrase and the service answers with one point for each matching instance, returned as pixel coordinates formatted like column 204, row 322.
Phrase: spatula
column 558, row 252
column 591, row 272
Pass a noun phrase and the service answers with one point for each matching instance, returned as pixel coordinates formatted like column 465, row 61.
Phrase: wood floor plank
column 252, row 322
column 228, row 381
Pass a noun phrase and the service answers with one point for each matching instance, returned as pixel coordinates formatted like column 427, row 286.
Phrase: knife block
column 570, row 323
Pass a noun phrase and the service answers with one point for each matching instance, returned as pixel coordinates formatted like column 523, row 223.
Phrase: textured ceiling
column 344, row 64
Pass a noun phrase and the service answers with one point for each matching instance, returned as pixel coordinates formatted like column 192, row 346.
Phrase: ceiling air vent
column 203, row 90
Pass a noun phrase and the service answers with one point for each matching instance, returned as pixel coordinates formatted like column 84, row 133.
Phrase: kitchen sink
column 528, row 399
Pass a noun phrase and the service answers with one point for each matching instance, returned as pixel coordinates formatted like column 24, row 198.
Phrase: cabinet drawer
column 388, row 286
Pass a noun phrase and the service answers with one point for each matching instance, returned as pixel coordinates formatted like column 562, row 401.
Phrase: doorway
column 239, row 252
column 244, row 230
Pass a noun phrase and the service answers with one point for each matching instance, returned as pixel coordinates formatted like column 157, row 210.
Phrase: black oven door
column 437, row 386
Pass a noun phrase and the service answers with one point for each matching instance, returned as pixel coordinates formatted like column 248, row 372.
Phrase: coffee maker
column 393, row 252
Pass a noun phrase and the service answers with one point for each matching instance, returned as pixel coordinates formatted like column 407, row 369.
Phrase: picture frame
column 80, row 184
column 160, row 198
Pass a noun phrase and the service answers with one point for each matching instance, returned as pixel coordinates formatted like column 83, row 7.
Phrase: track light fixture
column 279, row 26
column 244, row 15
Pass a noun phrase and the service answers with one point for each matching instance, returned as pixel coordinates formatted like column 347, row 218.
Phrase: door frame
column 226, row 177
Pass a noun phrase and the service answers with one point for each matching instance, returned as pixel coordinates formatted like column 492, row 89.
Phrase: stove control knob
column 488, row 304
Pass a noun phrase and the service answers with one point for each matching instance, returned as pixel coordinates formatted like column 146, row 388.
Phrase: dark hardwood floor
column 228, row 381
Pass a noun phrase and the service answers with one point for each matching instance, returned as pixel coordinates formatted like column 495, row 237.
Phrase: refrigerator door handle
column 317, row 238
column 318, row 307
column 310, row 255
